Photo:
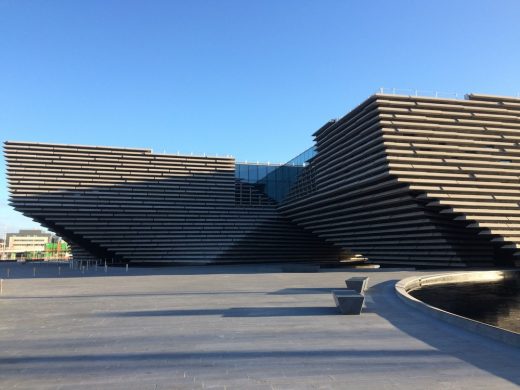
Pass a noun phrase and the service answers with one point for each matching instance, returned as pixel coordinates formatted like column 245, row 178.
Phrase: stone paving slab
column 249, row 327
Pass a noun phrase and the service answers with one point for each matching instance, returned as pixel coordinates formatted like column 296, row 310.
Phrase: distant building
column 32, row 244
column 28, row 241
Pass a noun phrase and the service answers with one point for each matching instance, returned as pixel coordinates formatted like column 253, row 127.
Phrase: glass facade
column 275, row 180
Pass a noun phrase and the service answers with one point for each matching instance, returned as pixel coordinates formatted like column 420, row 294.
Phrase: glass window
column 243, row 172
column 262, row 171
column 253, row 173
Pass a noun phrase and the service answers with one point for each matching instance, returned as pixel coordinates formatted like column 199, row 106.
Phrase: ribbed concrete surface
column 399, row 180
column 134, row 205
column 417, row 180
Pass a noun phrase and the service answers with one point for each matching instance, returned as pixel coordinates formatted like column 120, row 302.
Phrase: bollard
column 106, row 269
column 59, row 270
column 34, row 272
column 95, row 267
column 8, row 271
column 82, row 269
column 127, row 268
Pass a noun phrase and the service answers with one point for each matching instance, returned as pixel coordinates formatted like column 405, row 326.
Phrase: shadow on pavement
column 129, row 295
column 231, row 312
column 446, row 338
column 311, row 290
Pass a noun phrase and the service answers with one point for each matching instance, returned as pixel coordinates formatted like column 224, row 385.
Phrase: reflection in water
column 495, row 303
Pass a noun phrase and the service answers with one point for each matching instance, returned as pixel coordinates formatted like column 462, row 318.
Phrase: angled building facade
column 398, row 180
column 133, row 205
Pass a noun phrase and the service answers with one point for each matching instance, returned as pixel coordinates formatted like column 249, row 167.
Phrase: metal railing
column 426, row 93
column 421, row 92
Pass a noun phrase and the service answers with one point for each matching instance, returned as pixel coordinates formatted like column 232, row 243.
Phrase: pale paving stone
column 231, row 328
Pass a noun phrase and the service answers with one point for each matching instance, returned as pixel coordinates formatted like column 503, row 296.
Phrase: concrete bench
column 348, row 301
column 357, row 283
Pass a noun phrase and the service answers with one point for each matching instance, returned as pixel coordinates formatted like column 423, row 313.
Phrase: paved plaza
column 229, row 327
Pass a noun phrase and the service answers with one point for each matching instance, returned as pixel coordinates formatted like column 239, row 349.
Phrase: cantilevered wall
column 133, row 205
column 415, row 180
column 399, row 180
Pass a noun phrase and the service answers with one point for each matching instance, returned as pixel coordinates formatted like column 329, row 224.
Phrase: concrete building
column 399, row 180
column 28, row 240
column 26, row 243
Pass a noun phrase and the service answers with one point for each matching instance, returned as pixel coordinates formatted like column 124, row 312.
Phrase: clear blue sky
column 249, row 78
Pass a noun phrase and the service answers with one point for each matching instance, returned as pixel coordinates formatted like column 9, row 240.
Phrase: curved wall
column 405, row 286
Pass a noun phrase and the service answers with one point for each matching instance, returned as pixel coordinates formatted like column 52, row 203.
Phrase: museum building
column 406, row 180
